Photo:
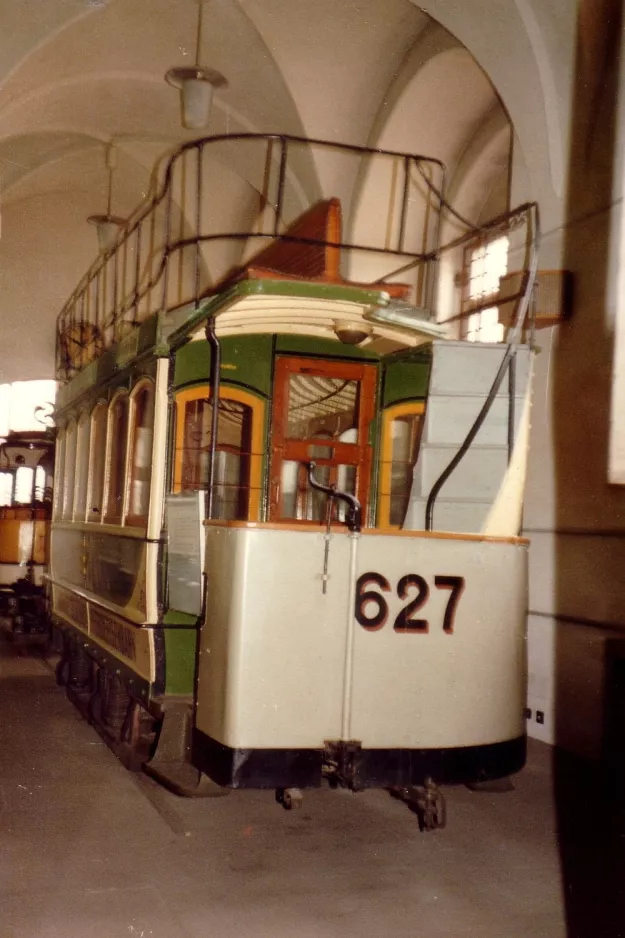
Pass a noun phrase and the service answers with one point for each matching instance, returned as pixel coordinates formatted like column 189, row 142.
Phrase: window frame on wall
column 142, row 385
column 100, row 407
column 389, row 415
column 257, row 407
column 479, row 307
column 114, row 446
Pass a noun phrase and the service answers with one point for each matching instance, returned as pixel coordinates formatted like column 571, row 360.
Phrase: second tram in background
column 26, row 470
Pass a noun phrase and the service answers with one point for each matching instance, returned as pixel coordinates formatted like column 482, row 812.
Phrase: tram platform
column 87, row 848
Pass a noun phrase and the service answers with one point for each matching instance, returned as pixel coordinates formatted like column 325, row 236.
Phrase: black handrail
column 354, row 508
column 102, row 285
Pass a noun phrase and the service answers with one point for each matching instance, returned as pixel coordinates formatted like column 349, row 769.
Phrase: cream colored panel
column 276, row 666
column 132, row 645
column 435, row 688
column 272, row 647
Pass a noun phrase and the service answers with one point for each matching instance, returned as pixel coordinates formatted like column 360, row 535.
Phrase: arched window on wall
column 97, row 462
column 82, row 468
column 69, row 470
column 238, row 462
column 141, row 434
column 116, row 451
column 484, row 265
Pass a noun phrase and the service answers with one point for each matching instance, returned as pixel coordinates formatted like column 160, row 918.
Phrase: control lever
column 354, row 509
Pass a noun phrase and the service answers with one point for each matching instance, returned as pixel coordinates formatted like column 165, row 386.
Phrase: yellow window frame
column 257, row 407
column 405, row 409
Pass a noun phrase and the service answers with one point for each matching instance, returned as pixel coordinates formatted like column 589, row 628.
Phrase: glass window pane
column 59, row 465
column 6, row 488
column 141, row 461
column 24, row 485
column 40, row 484
column 69, row 471
column 82, row 469
column 405, row 433
column 118, row 429
column 319, row 406
column 299, row 501
column 97, row 461
column 232, row 458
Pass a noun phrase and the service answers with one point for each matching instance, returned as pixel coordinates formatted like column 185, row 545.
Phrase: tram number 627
column 372, row 610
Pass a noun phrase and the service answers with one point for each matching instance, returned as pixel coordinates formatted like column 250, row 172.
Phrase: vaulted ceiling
column 78, row 74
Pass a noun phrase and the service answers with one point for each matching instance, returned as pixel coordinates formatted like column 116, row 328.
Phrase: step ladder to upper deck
column 461, row 378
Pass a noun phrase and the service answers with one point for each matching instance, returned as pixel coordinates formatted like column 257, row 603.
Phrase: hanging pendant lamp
column 108, row 226
column 196, row 84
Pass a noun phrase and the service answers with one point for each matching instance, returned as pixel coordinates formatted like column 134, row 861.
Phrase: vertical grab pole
column 348, row 665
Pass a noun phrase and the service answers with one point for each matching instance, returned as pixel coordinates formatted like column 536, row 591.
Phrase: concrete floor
column 88, row 850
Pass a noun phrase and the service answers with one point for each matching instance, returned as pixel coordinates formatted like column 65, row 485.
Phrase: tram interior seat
column 285, row 259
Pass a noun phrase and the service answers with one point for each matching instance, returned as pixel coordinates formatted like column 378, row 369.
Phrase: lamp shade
column 196, row 85
column 196, row 97
column 108, row 228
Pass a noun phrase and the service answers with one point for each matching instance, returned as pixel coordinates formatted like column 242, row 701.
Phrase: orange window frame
column 114, row 449
column 406, row 409
column 352, row 454
column 257, row 407
column 143, row 384
column 93, row 471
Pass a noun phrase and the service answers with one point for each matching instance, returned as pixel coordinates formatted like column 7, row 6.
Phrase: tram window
column 141, row 453
column 116, row 461
column 58, row 477
column 322, row 412
column 402, row 436
column 70, row 471
column 23, row 485
column 82, row 469
column 232, row 458
column 6, row 489
column 321, row 406
column 40, row 484
column 97, row 462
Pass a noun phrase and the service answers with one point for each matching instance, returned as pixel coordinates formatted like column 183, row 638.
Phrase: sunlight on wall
column 26, row 405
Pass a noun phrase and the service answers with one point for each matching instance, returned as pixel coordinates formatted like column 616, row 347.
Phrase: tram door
column 322, row 412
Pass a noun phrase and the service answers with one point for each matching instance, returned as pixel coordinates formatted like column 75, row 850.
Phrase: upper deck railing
column 181, row 244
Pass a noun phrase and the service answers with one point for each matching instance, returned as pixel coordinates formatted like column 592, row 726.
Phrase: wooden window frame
column 107, row 517
column 257, row 406
column 138, row 521
column 283, row 449
column 389, row 415
column 476, row 306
